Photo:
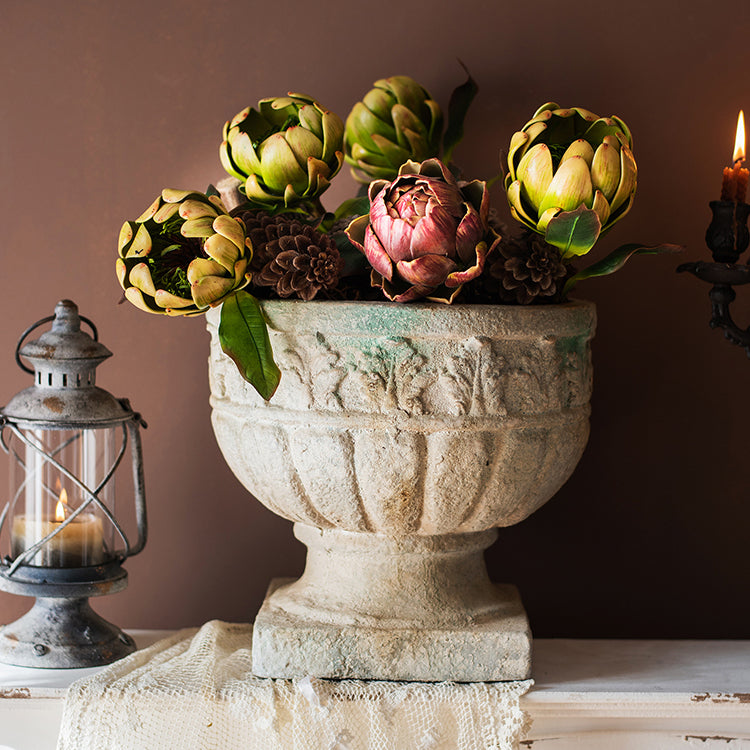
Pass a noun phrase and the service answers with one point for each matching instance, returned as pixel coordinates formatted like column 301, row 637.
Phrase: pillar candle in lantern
column 80, row 543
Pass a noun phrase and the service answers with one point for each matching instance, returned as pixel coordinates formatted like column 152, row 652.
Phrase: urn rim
column 570, row 318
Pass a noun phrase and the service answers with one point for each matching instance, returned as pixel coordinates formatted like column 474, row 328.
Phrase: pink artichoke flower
column 426, row 234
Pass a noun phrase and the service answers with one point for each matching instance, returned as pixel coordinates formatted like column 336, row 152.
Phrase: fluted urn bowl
column 399, row 438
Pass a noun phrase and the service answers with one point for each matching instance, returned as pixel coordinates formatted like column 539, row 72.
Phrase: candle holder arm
column 723, row 277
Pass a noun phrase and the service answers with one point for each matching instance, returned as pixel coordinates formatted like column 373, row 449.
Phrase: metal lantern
column 64, row 540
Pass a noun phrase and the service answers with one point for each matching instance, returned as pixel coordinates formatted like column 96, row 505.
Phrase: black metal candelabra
column 727, row 238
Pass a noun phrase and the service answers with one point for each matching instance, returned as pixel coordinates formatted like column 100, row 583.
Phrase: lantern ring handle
column 36, row 325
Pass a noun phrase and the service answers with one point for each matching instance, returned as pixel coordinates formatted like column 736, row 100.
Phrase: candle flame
column 62, row 504
column 739, row 140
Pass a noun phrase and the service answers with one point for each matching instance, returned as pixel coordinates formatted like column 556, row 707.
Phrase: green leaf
column 458, row 106
column 358, row 206
column 244, row 338
column 617, row 259
column 574, row 232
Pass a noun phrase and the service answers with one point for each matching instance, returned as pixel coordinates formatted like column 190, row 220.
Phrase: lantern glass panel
column 43, row 495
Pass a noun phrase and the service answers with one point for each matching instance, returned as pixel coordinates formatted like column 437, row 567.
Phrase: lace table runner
column 196, row 690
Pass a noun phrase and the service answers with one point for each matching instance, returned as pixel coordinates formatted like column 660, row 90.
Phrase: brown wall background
column 105, row 103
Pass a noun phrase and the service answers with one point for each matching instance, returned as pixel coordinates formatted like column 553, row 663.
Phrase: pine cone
column 289, row 256
column 262, row 229
column 527, row 268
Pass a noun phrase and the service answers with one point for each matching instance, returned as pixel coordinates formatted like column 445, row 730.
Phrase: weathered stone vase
column 400, row 437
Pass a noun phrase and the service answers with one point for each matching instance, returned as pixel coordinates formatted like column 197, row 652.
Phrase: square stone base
column 498, row 649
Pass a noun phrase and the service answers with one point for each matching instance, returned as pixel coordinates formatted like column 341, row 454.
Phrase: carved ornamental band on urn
column 400, row 437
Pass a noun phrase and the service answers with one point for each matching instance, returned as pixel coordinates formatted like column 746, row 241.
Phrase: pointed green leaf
column 458, row 106
column 358, row 206
column 244, row 338
column 574, row 232
column 617, row 259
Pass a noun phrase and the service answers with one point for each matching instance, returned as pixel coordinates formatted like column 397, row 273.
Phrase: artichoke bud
column 426, row 234
column 567, row 157
column 396, row 121
column 183, row 255
column 286, row 152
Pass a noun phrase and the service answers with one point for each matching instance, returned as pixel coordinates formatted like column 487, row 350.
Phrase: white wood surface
column 588, row 695
column 31, row 700
column 640, row 695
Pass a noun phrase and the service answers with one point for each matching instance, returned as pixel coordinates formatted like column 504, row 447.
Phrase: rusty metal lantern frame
column 61, row 630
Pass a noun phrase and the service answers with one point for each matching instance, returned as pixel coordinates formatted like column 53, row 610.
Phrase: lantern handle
column 36, row 325
column 138, row 481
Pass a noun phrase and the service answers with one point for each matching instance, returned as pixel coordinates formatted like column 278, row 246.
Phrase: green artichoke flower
column 183, row 255
column 397, row 121
column 563, row 159
column 285, row 152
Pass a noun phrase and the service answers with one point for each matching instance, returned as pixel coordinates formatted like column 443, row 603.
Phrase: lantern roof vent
column 64, row 359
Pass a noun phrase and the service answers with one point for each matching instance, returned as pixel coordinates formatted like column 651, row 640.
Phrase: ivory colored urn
column 400, row 438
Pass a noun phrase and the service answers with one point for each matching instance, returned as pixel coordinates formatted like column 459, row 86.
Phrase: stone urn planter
column 400, row 437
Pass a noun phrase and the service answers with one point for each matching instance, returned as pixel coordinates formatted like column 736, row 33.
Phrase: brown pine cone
column 262, row 229
column 527, row 268
column 289, row 256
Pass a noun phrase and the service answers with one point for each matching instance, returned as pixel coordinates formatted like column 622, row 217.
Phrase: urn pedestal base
column 419, row 608
column 402, row 436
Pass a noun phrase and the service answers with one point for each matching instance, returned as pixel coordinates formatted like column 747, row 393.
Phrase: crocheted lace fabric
column 196, row 690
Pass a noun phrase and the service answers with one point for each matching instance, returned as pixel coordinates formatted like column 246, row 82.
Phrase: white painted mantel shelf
column 588, row 695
